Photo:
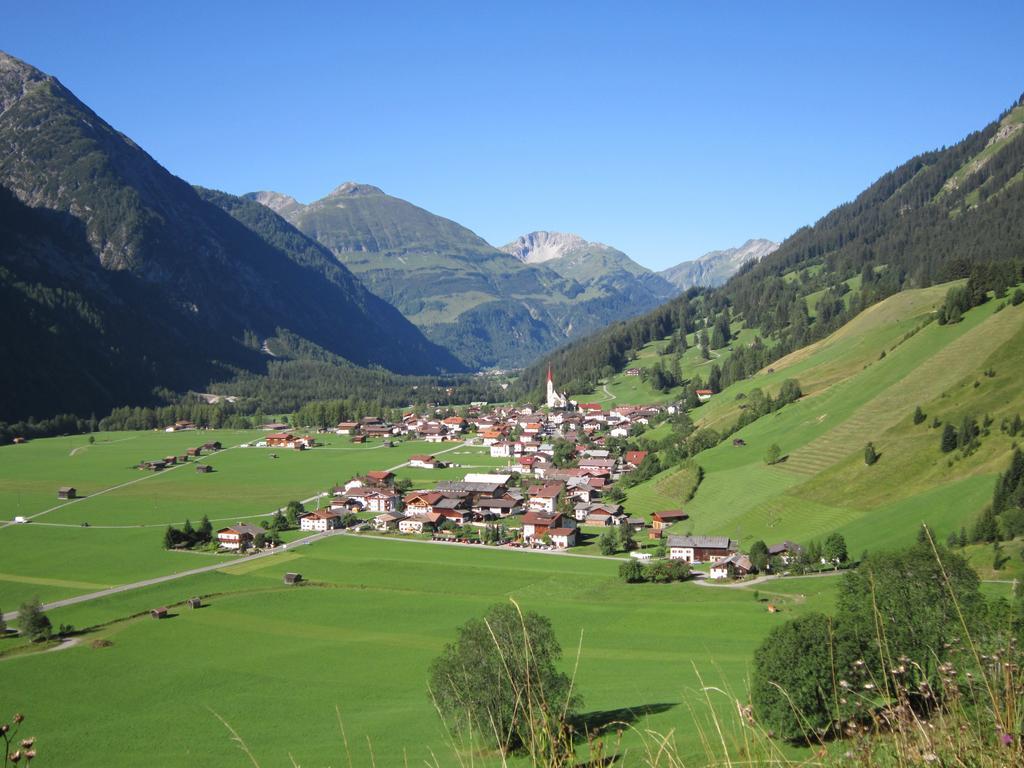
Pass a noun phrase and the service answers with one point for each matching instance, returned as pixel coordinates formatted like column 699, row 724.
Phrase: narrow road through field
column 179, row 575
column 707, row 582
column 147, row 476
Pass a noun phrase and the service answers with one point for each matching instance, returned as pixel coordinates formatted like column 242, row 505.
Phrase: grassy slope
column 275, row 661
column 853, row 397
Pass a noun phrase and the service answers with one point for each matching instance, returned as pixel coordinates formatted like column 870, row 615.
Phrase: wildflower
column 18, row 718
column 30, row 754
column 14, row 757
column 930, row 757
column 1007, row 739
column 27, row 743
column 869, row 686
column 843, row 684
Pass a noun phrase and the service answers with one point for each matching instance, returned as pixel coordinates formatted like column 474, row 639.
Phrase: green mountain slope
column 970, row 370
column 488, row 307
column 108, row 256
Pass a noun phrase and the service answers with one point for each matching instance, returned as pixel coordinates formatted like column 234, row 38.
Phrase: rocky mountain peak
column 275, row 201
column 353, row 189
column 16, row 79
column 538, row 247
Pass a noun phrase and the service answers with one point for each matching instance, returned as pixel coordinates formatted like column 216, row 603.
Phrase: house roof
column 379, row 474
column 561, row 531
column 670, row 514
column 702, row 542
column 429, row 497
column 242, row 528
column 422, row 457
column 537, row 518
column 549, row 491
column 321, row 514
column 785, row 546
column 635, row 457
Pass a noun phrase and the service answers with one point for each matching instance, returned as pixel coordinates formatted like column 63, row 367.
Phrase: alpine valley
column 126, row 280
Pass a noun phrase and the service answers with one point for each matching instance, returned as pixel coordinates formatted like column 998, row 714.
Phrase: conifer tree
column 949, row 438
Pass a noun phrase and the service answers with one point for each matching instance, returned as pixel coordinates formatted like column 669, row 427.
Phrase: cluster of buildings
column 156, row 465
column 540, row 498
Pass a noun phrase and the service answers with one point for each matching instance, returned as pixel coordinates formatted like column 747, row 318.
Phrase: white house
column 422, row 461
column 321, row 520
column 563, row 538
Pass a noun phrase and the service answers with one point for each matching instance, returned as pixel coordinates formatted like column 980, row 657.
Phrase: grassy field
column 127, row 509
column 276, row 662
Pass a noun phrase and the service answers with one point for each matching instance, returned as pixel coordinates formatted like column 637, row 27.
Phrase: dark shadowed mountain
column 124, row 278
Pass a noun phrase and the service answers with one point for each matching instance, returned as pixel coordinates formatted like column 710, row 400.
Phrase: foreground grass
column 276, row 661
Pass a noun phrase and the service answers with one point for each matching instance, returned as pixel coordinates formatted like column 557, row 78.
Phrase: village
column 553, row 492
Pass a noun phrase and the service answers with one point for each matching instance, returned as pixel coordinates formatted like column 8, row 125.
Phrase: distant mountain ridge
column 716, row 267
column 125, row 278
column 489, row 307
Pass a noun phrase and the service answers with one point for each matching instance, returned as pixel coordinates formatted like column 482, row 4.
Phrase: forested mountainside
column 715, row 267
column 122, row 278
column 485, row 305
column 950, row 213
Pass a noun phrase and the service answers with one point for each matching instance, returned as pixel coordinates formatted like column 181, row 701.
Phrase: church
column 555, row 400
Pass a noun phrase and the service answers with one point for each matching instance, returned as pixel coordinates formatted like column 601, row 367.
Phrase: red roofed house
column 280, row 439
column 380, row 477
column 421, row 503
column 634, row 458
column 563, row 538
column 240, row 537
column 704, row 395
column 536, row 525
column 544, row 498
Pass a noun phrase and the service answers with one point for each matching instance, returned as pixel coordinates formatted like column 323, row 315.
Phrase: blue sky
column 664, row 129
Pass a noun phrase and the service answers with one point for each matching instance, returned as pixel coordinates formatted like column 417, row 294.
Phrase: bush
column 499, row 680
column 631, row 571
column 792, row 681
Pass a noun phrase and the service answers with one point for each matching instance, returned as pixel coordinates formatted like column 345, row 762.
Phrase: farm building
column 159, row 613
column 203, row 468
column 195, row 602
column 732, row 567
column 292, row 578
column 422, row 461
column 661, row 520
column 700, row 549
column 67, row 492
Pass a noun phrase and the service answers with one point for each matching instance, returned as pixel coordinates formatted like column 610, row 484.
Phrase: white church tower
column 555, row 400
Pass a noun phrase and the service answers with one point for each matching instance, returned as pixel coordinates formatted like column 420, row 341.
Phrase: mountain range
column 489, row 306
column 715, row 267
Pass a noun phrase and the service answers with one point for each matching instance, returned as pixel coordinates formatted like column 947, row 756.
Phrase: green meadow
column 283, row 665
column 55, row 556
